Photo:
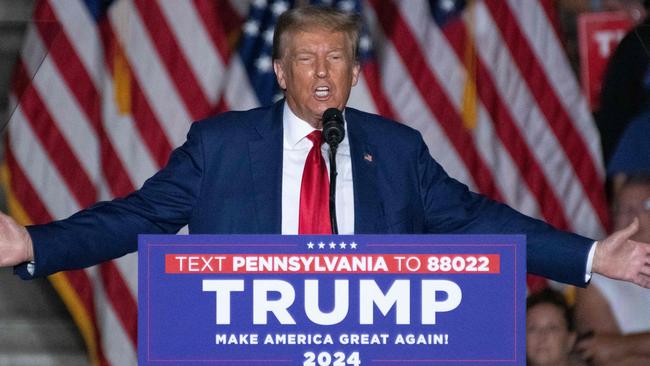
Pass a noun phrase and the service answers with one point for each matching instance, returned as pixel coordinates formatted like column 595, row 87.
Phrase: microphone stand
column 334, row 133
column 333, row 174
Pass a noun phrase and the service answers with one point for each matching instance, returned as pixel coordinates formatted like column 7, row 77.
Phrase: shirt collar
column 296, row 129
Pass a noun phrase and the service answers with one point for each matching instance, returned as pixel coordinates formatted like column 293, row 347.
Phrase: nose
column 321, row 68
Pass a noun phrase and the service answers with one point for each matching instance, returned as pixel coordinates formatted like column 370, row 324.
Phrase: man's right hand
column 15, row 243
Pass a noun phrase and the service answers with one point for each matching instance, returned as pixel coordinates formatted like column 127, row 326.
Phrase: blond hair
column 306, row 18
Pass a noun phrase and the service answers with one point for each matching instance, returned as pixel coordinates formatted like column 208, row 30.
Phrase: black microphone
column 333, row 133
column 333, row 130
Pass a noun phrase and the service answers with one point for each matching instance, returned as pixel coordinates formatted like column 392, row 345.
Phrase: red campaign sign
column 598, row 35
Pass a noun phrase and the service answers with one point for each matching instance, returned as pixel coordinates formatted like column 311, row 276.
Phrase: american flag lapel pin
column 367, row 157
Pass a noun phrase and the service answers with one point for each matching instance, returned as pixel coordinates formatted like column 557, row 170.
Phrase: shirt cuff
column 31, row 266
column 590, row 262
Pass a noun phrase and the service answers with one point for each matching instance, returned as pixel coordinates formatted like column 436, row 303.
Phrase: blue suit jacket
column 227, row 178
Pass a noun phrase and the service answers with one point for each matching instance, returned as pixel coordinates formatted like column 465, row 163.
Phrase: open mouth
column 322, row 92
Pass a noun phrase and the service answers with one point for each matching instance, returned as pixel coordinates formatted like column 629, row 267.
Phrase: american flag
column 104, row 90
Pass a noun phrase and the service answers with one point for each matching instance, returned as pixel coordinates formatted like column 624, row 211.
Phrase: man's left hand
column 621, row 258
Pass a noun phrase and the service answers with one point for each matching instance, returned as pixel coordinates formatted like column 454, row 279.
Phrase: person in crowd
column 615, row 313
column 632, row 154
column 550, row 335
column 262, row 171
column 625, row 90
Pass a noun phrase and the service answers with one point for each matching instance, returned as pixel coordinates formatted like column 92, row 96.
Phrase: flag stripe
column 43, row 168
column 552, row 58
column 173, row 59
column 434, row 96
column 81, row 317
column 143, row 119
column 77, row 278
column 44, row 213
column 553, row 16
column 533, row 127
column 559, row 121
column 412, row 109
column 80, row 282
column 414, row 112
column 195, row 42
column 38, row 214
column 145, row 67
column 58, row 47
column 454, row 79
column 120, row 297
column 372, row 79
column 122, row 130
column 76, row 74
column 57, row 148
column 55, row 98
column 118, row 347
column 80, row 31
column 219, row 19
column 36, row 211
column 509, row 133
column 240, row 95
column 128, row 268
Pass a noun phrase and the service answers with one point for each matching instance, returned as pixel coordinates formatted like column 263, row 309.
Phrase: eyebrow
column 304, row 50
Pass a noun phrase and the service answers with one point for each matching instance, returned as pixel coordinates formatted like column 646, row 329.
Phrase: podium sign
column 599, row 34
column 331, row 300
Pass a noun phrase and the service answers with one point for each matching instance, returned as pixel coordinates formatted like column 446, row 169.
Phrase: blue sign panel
column 332, row 300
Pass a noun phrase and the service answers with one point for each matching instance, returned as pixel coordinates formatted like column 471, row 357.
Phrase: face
column 317, row 70
column 548, row 341
column 633, row 201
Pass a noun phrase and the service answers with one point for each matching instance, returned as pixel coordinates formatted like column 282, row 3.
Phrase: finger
column 645, row 270
column 643, row 280
column 629, row 230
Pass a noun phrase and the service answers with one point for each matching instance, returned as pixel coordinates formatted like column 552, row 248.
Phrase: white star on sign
column 310, row 245
column 353, row 245
column 321, row 245
column 343, row 245
column 332, row 245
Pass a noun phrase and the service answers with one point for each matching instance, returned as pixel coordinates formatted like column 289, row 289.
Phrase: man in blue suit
column 241, row 172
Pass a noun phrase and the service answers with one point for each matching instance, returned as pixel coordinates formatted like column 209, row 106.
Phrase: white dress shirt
column 296, row 146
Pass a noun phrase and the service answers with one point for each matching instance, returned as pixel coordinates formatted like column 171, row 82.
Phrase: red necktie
column 314, row 191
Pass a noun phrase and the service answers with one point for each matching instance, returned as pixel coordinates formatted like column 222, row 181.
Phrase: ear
column 279, row 74
column 355, row 73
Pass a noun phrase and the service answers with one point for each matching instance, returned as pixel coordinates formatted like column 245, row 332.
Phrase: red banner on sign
column 598, row 35
column 331, row 263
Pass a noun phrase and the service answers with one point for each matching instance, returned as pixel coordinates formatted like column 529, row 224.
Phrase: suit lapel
column 266, row 168
column 368, row 207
